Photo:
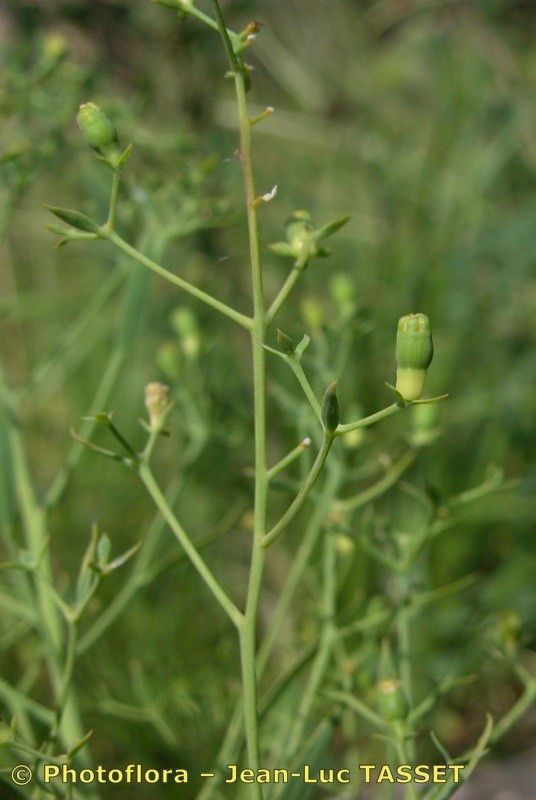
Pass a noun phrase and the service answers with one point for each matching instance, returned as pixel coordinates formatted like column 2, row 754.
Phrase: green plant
column 397, row 545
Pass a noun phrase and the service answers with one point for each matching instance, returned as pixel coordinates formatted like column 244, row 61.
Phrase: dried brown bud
column 157, row 402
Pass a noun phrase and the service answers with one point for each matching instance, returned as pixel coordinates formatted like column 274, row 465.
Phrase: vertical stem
column 114, row 194
column 404, row 641
column 33, row 520
column 325, row 649
column 405, row 734
column 405, row 755
column 231, row 743
column 248, row 628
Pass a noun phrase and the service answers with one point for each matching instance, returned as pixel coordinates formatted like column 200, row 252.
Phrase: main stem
column 248, row 628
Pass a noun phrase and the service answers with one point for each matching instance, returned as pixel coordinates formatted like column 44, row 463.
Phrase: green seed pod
column 96, row 127
column 330, row 408
column 414, row 352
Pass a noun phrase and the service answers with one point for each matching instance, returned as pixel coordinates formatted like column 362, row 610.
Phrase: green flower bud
column 299, row 226
column 75, row 219
column 96, row 127
column 330, row 408
column 414, row 352
column 184, row 322
column 390, row 700
column 286, row 345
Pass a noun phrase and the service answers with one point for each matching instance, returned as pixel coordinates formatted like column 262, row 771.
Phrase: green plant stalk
column 66, row 680
column 390, row 478
column 114, row 196
column 360, row 708
column 154, row 266
column 230, row 744
column 33, row 519
column 303, row 493
column 404, row 754
column 135, row 580
column 141, row 575
column 302, row 379
column 404, row 640
column 248, row 629
column 404, row 733
column 291, row 280
column 125, row 336
column 515, row 713
column 287, row 460
column 323, row 656
column 187, row 545
column 370, row 420
column 103, row 391
column 15, row 698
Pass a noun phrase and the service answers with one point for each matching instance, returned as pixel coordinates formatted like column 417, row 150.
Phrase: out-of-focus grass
column 417, row 123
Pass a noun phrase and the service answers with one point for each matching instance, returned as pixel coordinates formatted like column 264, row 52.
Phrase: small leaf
column 77, row 747
column 103, row 549
column 101, row 416
column 125, row 155
column 302, row 346
column 122, row 559
column 399, row 399
column 84, row 586
column 330, row 228
column 75, row 218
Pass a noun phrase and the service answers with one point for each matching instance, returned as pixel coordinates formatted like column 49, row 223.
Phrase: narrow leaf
column 75, row 218
column 330, row 228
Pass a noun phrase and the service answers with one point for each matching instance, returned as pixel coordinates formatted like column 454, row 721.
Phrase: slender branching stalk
column 394, row 708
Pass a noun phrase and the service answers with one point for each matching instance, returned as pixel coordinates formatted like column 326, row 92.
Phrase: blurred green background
column 416, row 118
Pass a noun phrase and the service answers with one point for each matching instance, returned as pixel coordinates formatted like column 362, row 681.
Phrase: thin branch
column 189, row 548
column 208, row 299
column 303, row 493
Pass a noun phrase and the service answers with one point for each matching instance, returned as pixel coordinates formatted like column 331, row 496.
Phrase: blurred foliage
column 414, row 117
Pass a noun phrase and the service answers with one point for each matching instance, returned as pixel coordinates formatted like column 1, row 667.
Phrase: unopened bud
column 157, row 402
column 330, row 408
column 390, row 700
column 286, row 345
column 54, row 48
column 299, row 226
column 97, row 129
column 184, row 322
column 414, row 352
column 344, row 544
